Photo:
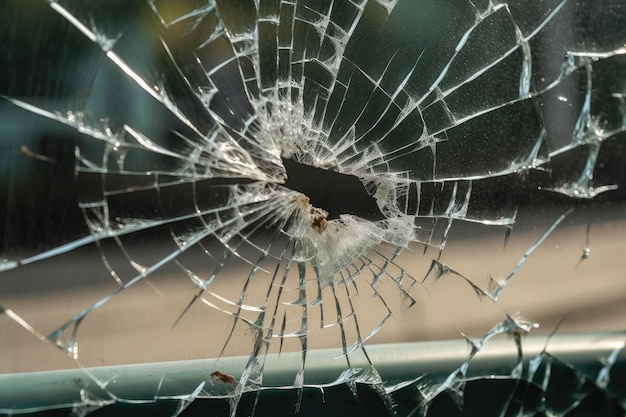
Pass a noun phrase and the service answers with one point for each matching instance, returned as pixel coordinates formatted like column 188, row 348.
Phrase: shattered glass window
column 262, row 179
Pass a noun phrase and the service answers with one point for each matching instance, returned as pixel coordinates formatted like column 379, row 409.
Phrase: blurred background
column 574, row 281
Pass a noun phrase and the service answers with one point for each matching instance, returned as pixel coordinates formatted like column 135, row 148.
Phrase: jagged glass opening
column 333, row 192
column 153, row 209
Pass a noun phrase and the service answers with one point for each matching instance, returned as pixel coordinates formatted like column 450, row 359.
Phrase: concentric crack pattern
column 192, row 110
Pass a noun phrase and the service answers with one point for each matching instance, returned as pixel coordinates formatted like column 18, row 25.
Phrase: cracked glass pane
column 218, row 179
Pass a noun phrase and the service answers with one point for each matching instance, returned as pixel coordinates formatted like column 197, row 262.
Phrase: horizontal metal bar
column 395, row 363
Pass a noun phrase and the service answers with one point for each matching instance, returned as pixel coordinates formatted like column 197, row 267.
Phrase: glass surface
column 201, row 179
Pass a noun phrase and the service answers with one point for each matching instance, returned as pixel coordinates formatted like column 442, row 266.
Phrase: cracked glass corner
column 210, row 179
